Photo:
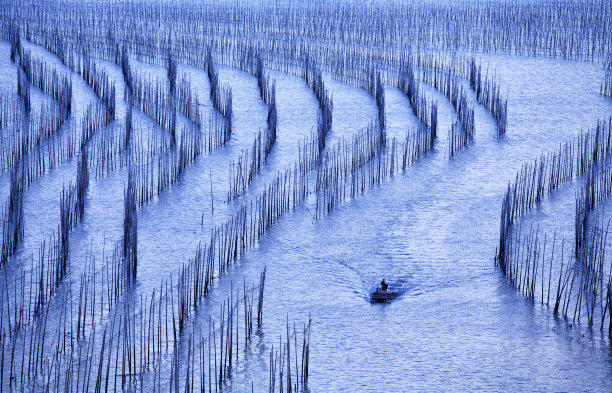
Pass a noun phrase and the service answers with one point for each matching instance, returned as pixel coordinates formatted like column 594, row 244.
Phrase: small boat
column 382, row 296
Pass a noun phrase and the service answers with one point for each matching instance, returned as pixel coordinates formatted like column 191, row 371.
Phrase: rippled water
column 431, row 232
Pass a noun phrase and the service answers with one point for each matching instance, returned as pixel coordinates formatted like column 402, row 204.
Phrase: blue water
column 431, row 232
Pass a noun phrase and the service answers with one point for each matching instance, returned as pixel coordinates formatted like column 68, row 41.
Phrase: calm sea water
column 431, row 232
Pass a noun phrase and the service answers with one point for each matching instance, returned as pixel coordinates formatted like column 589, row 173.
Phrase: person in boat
column 384, row 285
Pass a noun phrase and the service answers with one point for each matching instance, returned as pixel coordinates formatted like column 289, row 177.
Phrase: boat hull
column 380, row 296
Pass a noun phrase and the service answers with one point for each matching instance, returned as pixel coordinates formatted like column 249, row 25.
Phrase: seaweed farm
column 204, row 196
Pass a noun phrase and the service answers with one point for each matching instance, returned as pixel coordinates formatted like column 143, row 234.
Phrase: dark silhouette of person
column 384, row 285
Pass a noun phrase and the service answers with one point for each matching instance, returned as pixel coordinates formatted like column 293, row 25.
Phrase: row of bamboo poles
column 572, row 278
column 488, row 94
column 250, row 162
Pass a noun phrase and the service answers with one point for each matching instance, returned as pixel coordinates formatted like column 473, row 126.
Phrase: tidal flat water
column 431, row 230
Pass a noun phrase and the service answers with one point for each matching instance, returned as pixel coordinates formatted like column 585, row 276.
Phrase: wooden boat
column 380, row 296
